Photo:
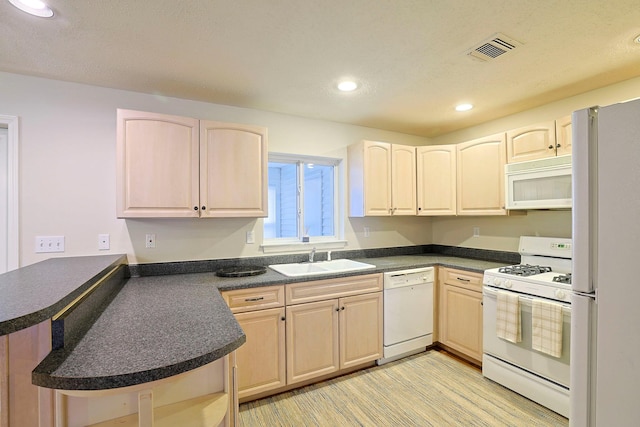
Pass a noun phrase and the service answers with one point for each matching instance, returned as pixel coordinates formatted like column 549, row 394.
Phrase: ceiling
column 409, row 56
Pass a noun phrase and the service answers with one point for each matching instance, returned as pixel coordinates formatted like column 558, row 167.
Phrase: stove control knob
column 560, row 294
column 497, row 281
column 508, row 284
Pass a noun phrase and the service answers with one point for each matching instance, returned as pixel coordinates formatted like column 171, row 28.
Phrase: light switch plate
column 49, row 244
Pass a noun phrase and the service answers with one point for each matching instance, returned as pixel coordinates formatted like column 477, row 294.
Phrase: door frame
column 13, row 254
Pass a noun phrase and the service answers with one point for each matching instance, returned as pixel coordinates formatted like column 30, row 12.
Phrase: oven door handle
column 493, row 293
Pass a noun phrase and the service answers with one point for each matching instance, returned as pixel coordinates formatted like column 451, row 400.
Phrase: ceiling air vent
column 497, row 45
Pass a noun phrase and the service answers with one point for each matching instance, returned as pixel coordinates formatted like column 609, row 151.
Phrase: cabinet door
column 261, row 359
column 233, row 170
column 312, row 340
column 436, row 180
column 377, row 178
column 403, row 180
column 157, row 165
column 360, row 329
column 369, row 170
column 531, row 142
column 564, row 136
column 480, row 173
column 461, row 325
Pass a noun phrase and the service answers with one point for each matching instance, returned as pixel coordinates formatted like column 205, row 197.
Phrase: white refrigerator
column 605, row 320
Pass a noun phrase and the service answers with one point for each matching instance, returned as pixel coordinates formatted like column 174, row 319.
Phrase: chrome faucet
column 312, row 254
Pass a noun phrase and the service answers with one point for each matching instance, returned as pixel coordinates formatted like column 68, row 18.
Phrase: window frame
column 336, row 241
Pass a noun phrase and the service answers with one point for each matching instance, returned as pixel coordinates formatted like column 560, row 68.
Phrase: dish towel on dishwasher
column 546, row 319
column 508, row 317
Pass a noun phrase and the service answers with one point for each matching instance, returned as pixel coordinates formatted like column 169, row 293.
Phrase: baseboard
column 307, row 382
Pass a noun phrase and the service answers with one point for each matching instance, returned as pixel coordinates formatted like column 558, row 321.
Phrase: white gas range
column 545, row 275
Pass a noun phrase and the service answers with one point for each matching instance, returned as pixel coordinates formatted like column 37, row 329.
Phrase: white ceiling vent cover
column 495, row 46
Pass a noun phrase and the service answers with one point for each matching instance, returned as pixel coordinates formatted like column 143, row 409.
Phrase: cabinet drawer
column 318, row 290
column 461, row 278
column 242, row 300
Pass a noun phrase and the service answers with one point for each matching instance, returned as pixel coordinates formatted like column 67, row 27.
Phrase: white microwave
column 539, row 184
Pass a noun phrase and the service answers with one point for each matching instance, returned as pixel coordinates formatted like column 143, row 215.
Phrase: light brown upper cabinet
column 436, row 179
column 171, row 166
column 382, row 179
column 564, row 135
column 546, row 139
column 480, row 176
column 233, row 170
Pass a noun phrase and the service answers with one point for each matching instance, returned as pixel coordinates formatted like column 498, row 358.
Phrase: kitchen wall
column 67, row 174
column 502, row 233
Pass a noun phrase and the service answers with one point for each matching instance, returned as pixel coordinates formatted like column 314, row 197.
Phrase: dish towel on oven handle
column 508, row 317
column 546, row 320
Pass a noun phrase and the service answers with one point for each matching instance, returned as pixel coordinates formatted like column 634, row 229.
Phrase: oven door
column 521, row 354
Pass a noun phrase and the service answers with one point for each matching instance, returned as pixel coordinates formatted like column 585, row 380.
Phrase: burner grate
column 524, row 270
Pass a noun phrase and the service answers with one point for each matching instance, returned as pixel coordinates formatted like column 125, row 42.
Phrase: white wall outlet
column 367, row 232
column 49, row 244
column 476, row 231
column 251, row 237
column 103, row 242
column 150, row 241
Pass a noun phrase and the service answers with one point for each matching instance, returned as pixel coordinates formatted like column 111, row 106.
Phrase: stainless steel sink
column 320, row 267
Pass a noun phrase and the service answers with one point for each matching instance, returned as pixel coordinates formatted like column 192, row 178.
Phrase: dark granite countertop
column 383, row 264
column 32, row 294
column 158, row 326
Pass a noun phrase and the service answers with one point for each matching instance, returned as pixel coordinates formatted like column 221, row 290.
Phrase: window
column 303, row 200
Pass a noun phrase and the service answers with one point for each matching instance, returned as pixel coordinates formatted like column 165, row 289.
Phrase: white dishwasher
column 408, row 312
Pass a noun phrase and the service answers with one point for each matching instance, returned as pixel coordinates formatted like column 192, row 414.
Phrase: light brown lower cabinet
column 327, row 336
column 324, row 327
column 460, row 323
column 261, row 360
column 312, row 340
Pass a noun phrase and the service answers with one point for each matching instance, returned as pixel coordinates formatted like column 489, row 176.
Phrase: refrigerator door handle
column 583, row 367
column 585, row 198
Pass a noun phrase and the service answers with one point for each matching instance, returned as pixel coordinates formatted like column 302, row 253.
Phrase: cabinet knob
column 283, row 318
column 558, row 145
column 338, row 309
column 204, row 208
column 550, row 147
column 419, row 209
column 195, row 208
column 342, row 308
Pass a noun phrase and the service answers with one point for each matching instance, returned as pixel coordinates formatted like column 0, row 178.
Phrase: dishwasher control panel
column 410, row 277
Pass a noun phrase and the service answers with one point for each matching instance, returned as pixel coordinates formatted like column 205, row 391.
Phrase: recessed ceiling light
column 33, row 7
column 637, row 39
column 464, row 107
column 347, row 86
